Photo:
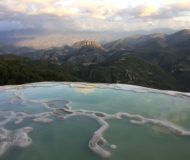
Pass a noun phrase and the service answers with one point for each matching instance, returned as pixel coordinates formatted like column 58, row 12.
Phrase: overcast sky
column 94, row 15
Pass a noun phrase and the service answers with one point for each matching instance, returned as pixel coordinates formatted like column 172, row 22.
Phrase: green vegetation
column 130, row 70
column 18, row 70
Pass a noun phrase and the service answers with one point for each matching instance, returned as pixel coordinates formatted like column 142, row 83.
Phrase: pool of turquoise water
column 69, row 139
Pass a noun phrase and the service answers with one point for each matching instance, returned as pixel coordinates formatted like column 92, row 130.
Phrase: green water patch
column 29, row 108
column 148, row 142
column 151, row 105
column 59, row 140
column 4, row 99
column 180, row 117
column 110, row 100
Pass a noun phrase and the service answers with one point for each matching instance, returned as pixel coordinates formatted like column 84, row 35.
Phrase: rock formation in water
column 63, row 110
column 17, row 138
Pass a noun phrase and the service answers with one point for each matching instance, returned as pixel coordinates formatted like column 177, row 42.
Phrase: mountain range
column 155, row 60
column 44, row 38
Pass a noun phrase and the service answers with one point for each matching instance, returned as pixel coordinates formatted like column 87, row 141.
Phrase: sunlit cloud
column 95, row 14
column 148, row 11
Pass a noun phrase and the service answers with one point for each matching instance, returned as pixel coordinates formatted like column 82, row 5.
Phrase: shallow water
column 146, row 142
column 58, row 140
column 68, row 139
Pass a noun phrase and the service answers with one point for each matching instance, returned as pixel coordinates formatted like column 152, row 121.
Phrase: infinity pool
column 46, row 121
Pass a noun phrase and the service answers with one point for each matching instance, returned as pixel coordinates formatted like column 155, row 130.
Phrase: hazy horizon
column 59, row 22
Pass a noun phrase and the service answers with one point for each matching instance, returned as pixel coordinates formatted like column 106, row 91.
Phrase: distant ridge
column 44, row 39
column 155, row 60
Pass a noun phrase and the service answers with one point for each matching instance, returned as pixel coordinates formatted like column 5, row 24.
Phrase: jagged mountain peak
column 87, row 43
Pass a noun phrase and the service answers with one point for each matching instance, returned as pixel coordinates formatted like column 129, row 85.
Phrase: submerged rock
column 17, row 138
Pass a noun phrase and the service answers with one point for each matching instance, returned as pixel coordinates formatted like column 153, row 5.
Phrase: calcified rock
column 97, row 137
column 17, row 138
column 18, row 117
column 100, row 117
column 113, row 146
column 97, row 143
column 63, row 110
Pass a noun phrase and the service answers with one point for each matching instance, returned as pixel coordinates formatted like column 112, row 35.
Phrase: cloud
column 168, row 9
column 148, row 11
column 94, row 14
column 67, row 14
column 99, row 9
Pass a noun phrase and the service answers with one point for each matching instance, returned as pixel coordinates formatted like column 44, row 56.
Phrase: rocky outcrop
column 87, row 43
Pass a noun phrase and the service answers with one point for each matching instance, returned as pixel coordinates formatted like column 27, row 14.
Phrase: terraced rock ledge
column 97, row 142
